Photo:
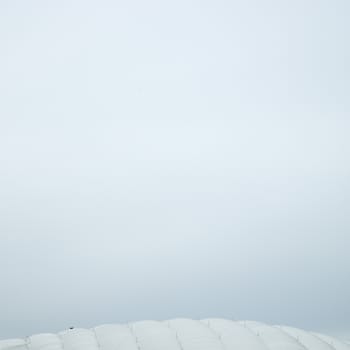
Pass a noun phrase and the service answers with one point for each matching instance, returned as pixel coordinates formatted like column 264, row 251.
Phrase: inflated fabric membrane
column 179, row 334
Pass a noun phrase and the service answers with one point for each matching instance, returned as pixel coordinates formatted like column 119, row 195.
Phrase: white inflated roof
column 179, row 334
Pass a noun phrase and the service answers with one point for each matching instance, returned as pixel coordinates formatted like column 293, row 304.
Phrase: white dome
column 179, row 334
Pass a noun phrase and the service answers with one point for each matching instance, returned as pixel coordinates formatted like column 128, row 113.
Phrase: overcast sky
column 166, row 159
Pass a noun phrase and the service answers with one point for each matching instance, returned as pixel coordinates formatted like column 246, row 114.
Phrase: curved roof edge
column 179, row 334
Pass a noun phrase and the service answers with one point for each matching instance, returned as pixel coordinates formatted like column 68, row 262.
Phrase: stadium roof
column 179, row 334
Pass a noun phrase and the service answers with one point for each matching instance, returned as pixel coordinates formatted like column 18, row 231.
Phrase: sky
column 163, row 159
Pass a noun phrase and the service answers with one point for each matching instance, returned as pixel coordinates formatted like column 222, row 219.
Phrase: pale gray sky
column 174, row 158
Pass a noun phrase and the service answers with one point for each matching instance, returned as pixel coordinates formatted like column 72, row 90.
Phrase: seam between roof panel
column 134, row 336
column 290, row 336
column 215, row 333
column 26, row 342
column 256, row 334
column 97, row 342
column 330, row 344
column 177, row 339
column 313, row 335
column 61, row 340
column 323, row 341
